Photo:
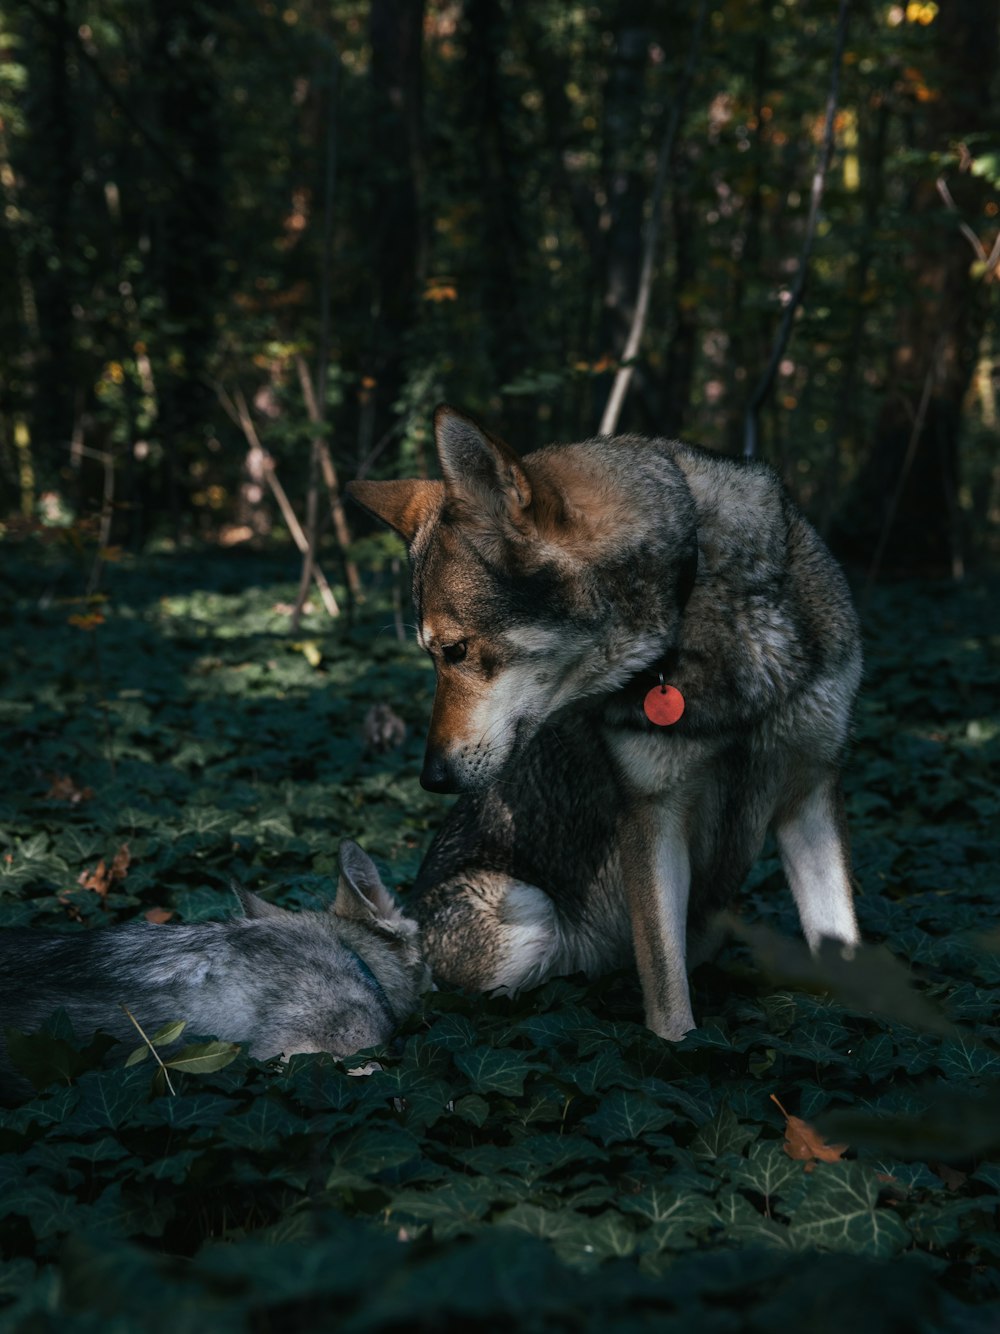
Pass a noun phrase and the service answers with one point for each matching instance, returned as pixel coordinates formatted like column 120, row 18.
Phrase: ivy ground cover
column 824, row 1149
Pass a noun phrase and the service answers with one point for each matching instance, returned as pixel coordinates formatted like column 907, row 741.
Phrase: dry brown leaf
column 98, row 880
column 101, row 878
column 158, row 914
column 805, row 1144
column 121, row 863
column 64, row 788
column 951, row 1176
column 87, row 621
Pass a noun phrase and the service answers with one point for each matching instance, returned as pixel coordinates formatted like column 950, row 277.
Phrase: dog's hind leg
column 488, row 931
column 812, row 840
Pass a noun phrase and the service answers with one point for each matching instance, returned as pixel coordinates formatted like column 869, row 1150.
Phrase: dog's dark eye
column 455, row 652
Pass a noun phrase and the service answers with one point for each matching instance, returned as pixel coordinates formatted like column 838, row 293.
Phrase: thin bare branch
column 316, row 395
column 752, row 418
column 330, row 479
column 919, row 419
column 156, row 1055
column 989, row 261
column 239, row 412
column 623, row 376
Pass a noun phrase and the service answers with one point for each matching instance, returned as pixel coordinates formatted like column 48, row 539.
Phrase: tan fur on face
column 450, row 721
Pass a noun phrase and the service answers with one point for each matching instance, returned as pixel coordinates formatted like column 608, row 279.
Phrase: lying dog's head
column 530, row 585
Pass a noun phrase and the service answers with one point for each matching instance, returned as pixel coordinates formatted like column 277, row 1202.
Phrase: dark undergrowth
column 543, row 1162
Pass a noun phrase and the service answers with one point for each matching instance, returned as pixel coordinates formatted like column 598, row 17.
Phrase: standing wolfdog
column 645, row 658
column 281, row 982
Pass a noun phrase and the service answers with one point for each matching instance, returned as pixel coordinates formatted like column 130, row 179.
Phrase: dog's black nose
column 436, row 775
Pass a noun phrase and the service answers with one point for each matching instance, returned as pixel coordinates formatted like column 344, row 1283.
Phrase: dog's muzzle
column 437, row 775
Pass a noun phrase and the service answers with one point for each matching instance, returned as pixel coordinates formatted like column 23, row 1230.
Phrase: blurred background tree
column 418, row 200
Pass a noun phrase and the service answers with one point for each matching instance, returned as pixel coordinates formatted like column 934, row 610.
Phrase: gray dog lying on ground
column 281, row 982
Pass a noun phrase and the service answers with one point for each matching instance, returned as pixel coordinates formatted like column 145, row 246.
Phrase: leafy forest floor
column 543, row 1162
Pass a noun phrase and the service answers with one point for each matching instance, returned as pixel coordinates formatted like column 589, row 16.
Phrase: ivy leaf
column 107, row 1100
column 53, row 1054
column 841, row 1213
column 187, row 1111
column 577, row 1237
column 472, row 1108
column 989, row 1174
column 679, row 1214
column 626, row 1115
column 722, row 1135
column 605, row 1070
column 456, row 1207
column 370, row 1150
column 743, row 1223
column 772, row 1173
column 453, row 1032
column 49, row 1212
column 494, row 1071
column 942, row 1221
column 266, row 1122
column 968, row 1060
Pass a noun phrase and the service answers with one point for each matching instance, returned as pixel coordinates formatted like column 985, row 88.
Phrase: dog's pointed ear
column 405, row 506
column 479, row 467
column 361, row 895
column 253, row 905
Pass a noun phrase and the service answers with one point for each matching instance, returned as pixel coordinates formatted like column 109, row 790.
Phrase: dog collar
column 664, row 704
column 375, row 985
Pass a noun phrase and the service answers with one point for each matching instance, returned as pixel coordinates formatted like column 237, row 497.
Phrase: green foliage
column 543, row 1161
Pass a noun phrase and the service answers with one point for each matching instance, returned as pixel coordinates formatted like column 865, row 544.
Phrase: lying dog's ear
column 405, row 506
column 361, row 894
column 254, row 906
column 478, row 467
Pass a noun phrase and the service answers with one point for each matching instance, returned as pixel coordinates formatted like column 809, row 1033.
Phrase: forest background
column 244, row 251
column 226, row 228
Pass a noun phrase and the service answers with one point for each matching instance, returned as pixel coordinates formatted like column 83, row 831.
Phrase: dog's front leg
column 657, row 873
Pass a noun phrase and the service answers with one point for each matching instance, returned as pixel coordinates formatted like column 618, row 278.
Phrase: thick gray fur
column 280, row 982
column 551, row 590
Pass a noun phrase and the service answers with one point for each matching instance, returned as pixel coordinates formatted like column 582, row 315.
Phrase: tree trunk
column 682, row 350
column 903, row 510
column 50, row 172
column 187, row 240
column 398, row 226
column 625, row 184
column 494, row 186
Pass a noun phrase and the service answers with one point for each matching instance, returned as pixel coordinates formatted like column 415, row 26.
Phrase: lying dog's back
column 279, row 982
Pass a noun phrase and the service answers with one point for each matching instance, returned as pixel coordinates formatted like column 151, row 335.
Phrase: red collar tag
column 663, row 705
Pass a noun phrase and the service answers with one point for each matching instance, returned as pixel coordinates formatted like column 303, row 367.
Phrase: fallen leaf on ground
column 64, row 788
column 805, row 1144
column 951, row 1176
column 103, row 876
